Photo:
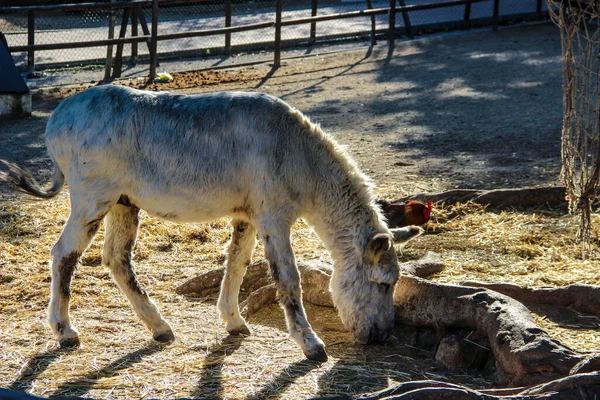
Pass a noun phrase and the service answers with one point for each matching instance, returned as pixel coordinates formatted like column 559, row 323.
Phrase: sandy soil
column 480, row 110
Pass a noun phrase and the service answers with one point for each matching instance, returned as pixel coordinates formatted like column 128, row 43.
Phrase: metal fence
column 33, row 33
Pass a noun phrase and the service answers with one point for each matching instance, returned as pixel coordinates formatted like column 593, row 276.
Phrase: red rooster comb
column 427, row 210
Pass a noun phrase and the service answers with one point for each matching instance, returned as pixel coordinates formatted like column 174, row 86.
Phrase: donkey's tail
column 25, row 182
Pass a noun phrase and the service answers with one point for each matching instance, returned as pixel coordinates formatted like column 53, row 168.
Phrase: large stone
column 15, row 105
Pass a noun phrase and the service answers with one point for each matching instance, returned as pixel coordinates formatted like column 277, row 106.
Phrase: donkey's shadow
column 35, row 367
column 83, row 384
column 210, row 384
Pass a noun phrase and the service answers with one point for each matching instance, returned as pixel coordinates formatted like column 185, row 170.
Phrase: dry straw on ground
column 117, row 357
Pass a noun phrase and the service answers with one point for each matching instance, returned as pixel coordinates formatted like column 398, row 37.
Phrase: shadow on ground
column 480, row 113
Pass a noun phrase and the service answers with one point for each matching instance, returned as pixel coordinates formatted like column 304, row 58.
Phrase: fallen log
column 497, row 198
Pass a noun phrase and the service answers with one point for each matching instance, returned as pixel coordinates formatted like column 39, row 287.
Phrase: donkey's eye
column 385, row 286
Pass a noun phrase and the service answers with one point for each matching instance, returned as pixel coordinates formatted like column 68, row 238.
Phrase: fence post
column 278, row 9
column 313, row 25
column 373, row 24
column 153, row 41
column 468, row 16
column 109, row 48
column 228, row 24
column 118, row 64
column 30, row 40
column 144, row 25
column 539, row 8
column 392, row 23
column 496, row 14
column 406, row 19
column 134, row 33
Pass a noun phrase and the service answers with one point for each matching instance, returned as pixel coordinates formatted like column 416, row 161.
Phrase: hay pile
column 117, row 357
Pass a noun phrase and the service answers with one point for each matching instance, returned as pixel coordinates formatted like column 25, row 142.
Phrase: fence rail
column 133, row 10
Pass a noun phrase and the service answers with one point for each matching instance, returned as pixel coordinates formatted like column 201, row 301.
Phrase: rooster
column 400, row 214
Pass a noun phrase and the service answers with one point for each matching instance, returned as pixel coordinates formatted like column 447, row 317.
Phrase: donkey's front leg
column 278, row 250
column 239, row 254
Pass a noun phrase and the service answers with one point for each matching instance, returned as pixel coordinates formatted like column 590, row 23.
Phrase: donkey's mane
column 362, row 184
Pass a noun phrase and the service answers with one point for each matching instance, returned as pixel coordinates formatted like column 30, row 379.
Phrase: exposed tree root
column 524, row 353
column 256, row 277
column 315, row 278
column 498, row 198
column 578, row 297
column 258, row 299
column 580, row 386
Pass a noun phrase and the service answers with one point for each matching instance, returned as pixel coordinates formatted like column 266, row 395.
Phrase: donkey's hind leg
column 239, row 254
column 121, row 232
column 79, row 231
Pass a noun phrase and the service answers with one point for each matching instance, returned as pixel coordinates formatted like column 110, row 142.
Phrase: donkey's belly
column 178, row 209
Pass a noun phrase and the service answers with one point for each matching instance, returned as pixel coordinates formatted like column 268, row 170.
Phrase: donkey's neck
column 341, row 210
column 343, row 220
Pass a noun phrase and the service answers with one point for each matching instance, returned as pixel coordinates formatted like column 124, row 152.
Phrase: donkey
column 194, row 158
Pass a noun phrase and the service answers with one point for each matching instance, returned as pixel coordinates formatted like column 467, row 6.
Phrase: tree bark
column 578, row 297
column 576, row 387
column 315, row 278
column 498, row 198
column 525, row 354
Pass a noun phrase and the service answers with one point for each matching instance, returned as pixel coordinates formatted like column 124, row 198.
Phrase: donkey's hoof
column 317, row 354
column 165, row 337
column 70, row 342
column 240, row 331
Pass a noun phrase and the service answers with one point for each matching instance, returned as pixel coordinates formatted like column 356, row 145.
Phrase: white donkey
column 196, row 158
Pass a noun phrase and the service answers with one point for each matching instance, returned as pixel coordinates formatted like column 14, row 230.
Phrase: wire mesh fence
column 94, row 24
column 579, row 23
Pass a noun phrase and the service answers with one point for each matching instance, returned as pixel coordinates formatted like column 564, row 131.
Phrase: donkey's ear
column 378, row 245
column 403, row 235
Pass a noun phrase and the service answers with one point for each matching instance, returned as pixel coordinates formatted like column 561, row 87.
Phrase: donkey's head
column 363, row 287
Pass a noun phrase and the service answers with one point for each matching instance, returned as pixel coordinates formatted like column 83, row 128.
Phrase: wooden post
column 30, row 40
column 109, row 48
column 392, row 23
column 496, row 15
column 468, row 16
column 118, row 64
column 278, row 10
column 134, row 33
column 406, row 19
column 153, row 41
column 373, row 24
column 144, row 26
column 228, row 24
column 313, row 25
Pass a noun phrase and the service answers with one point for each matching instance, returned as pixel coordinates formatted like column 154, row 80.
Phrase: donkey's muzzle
column 374, row 335
column 378, row 335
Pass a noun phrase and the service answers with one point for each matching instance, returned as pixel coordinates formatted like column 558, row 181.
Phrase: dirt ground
column 475, row 110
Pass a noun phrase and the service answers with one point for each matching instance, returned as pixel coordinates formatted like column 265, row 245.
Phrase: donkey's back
column 186, row 158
